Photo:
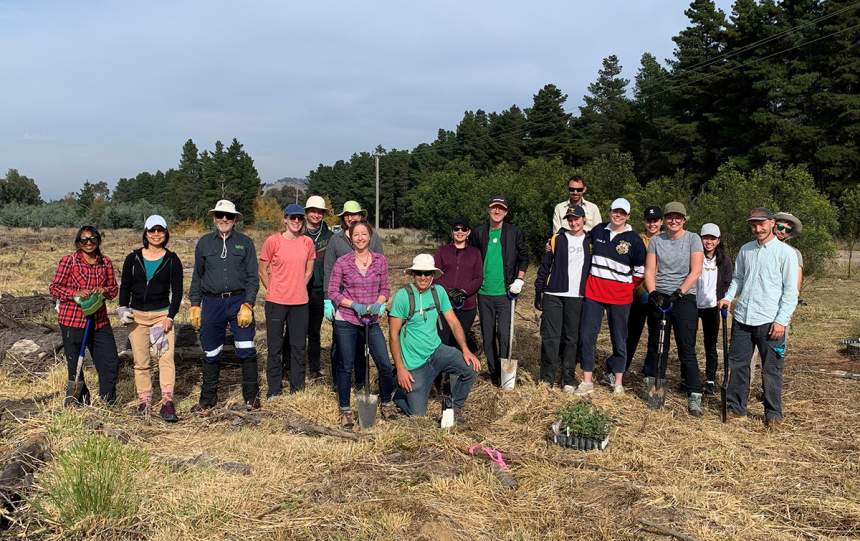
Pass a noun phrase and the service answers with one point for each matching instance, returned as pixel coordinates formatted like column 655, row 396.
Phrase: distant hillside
column 291, row 182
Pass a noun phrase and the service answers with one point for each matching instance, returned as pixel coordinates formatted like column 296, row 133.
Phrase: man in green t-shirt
column 503, row 249
column 419, row 354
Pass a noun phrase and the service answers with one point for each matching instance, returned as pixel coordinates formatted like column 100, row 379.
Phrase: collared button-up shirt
column 764, row 283
column 347, row 282
column 74, row 274
column 592, row 215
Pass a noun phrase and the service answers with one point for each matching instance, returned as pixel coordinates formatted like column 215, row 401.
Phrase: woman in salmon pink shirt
column 286, row 266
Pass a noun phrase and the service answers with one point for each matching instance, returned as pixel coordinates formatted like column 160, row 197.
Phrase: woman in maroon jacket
column 463, row 269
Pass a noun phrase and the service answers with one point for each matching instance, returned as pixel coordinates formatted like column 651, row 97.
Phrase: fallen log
column 663, row 530
column 25, row 306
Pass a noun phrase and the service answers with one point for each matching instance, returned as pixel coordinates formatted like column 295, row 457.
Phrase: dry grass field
column 663, row 474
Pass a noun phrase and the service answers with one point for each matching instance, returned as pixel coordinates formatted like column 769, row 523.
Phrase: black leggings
column 102, row 348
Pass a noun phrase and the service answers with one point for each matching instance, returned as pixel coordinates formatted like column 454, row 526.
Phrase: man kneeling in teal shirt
column 419, row 354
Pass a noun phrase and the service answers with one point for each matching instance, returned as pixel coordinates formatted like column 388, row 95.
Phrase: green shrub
column 585, row 419
column 93, row 478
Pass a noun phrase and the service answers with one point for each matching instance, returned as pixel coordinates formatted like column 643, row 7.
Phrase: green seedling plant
column 584, row 419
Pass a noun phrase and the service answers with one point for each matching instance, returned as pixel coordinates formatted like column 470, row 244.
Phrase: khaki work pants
column 139, row 338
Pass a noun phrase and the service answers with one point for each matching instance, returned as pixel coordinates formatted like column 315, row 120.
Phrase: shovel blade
column 367, row 408
column 657, row 395
column 509, row 373
column 447, row 418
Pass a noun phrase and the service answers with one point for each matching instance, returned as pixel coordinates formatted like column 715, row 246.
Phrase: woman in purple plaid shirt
column 359, row 289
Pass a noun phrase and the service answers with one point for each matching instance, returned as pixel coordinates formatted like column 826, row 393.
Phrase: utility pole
column 376, row 208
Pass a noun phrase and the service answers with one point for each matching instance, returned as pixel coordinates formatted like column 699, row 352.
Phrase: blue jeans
column 349, row 338
column 444, row 360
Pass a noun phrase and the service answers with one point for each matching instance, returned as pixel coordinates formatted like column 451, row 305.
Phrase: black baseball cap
column 461, row 220
column 498, row 200
column 653, row 213
column 575, row 210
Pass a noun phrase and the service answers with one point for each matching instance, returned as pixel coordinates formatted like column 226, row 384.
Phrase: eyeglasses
column 576, row 190
column 423, row 273
column 459, row 228
column 295, row 218
column 674, row 218
column 786, row 228
column 224, row 216
column 89, row 240
column 156, row 229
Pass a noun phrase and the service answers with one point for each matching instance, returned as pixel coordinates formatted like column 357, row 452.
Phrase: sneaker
column 709, row 388
column 694, row 404
column 608, row 380
column 617, row 389
column 168, row 412
column 569, row 389
column 584, row 388
column 346, row 420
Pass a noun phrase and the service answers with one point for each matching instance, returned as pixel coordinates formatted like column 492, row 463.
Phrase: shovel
column 509, row 364
column 657, row 394
column 724, row 412
column 76, row 388
column 367, row 403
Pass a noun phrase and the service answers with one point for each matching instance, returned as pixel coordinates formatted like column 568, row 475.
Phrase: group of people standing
column 310, row 272
column 668, row 272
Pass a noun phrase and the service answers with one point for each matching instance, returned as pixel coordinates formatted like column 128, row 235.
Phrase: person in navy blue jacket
column 617, row 267
column 559, row 292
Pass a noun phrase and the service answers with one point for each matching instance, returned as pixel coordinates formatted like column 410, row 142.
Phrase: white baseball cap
column 710, row 229
column 153, row 221
column 622, row 204
column 315, row 202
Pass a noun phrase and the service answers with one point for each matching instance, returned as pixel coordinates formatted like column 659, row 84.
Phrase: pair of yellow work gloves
column 243, row 318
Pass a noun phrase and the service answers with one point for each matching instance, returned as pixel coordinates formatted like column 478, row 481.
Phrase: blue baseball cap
column 294, row 210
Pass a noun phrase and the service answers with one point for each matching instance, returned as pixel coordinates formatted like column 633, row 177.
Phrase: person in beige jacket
column 576, row 188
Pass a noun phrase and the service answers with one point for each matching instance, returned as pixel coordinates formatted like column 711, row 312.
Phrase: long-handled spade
column 367, row 403
column 447, row 420
column 724, row 412
column 657, row 394
column 509, row 364
column 75, row 391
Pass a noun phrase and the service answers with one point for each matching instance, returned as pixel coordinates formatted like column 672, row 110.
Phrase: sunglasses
column 296, row 218
column 423, row 273
column 89, row 240
column 156, row 229
column 576, row 190
column 786, row 228
column 459, row 228
column 224, row 216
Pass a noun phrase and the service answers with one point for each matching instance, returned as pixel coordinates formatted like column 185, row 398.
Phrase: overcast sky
column 100, row 90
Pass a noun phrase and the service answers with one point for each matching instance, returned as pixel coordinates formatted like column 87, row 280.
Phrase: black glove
column 676, row 296
column 539, row 300
column 457, row 297
column 658, row 300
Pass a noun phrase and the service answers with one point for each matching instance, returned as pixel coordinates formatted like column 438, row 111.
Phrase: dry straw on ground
column 663, row 471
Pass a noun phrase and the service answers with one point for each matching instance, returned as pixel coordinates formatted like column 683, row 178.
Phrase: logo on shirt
column 623, row 247
column 495, row 241
column 240, row 247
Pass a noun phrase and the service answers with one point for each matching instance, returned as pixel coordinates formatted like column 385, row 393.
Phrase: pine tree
column 507, row 132
column 548, row 125
column 188, row 197
column 602, row 127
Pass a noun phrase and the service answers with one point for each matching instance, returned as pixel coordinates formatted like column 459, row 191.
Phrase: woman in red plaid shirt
column 82, row 273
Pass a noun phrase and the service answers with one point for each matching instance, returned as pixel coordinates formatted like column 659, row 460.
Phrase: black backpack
column 410, row 294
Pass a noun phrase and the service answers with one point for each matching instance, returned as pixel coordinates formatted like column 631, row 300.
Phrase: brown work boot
column 774, row 423
column 346, row 420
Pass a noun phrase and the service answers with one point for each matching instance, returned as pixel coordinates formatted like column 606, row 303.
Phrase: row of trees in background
column 184, row 193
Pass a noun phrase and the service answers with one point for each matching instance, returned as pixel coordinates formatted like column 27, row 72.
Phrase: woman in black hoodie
column 149, row 297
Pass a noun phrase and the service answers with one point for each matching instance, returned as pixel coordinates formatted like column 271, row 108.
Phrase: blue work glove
column 358, row 308
column 643, row 298
column 328, row 309
column 377, row 309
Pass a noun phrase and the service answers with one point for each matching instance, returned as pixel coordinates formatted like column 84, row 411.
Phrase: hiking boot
column 584, row 389
column 773, row 423
column 732, row 414
column 709, row 388
column 617, row 390
column 168, row 412
column 388, row 411
column 346, row 420
column 459, row 418
column 694, row 404
column 316, row 374
column 202, row 407
column 569, row 389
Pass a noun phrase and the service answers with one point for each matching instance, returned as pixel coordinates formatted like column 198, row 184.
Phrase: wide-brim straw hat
column 227, row 206
column 424, row 262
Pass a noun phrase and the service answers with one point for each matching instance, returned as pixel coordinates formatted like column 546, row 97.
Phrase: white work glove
column 125, row 314
column 157, row 340
column 516, row 286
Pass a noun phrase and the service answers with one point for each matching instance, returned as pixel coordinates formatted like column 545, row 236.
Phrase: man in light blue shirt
column 764, row 286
